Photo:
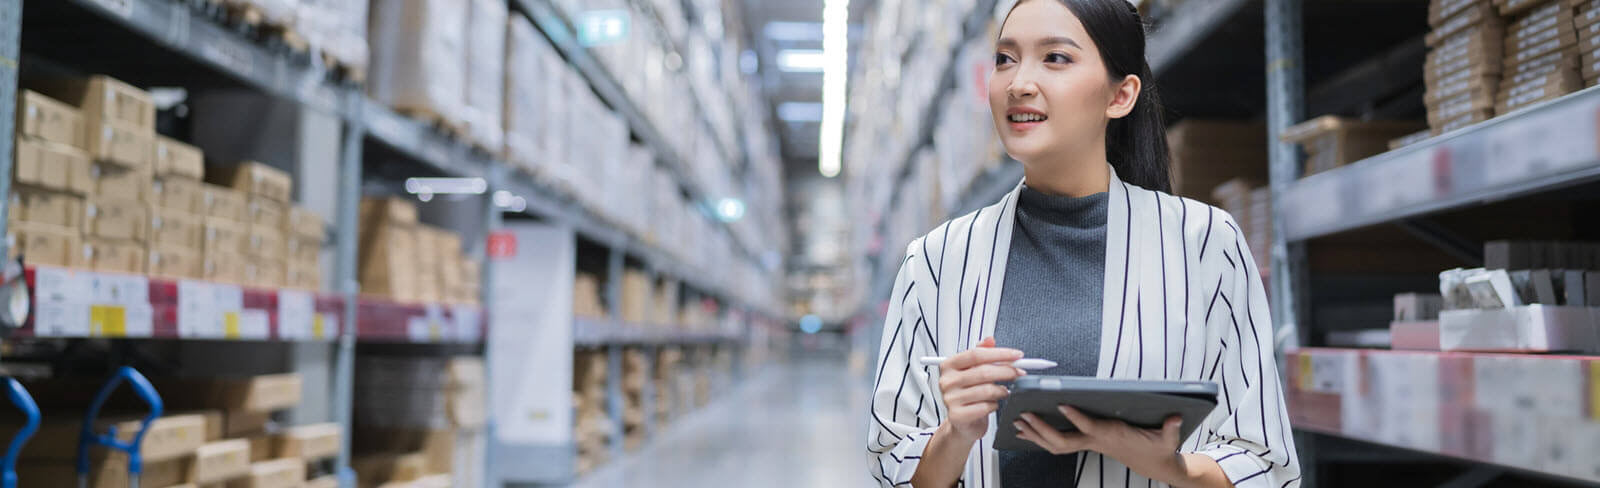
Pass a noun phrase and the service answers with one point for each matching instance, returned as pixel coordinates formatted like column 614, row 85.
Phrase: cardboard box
column 179, row 194
column 389, row 467
column 266, row 243
column 309, row 442
column 1591, row 65
column 46, row 207
column 106, row 470
column 1544, row 87
column 265, row 273
column 45, row 118
column 302, row 276
column 1513, row 8
column 117, row 182
column 1339, row 141
column 225, row 203
column 1479, row 43
column 1543, row 21
column 175, row 229
column 1535, row 50
column 1460, row 105
column 220, row 461
column 389, row 266
column 122, row 145
column 223, row 266
column 104, row 99
column 177, row 159
column 304, row 222
column 116, row 219
column 1441, row 10
column 300, row 250
column 45, row 244
column 171, row 262
column 260, row 447
column 221, row 235
column 241, row 423
column 115, row 255
column 277, row 473
column 265, row 212
column 214, row 423
column 255, row 179
column 259, row 394
column 1474, row 14
column 329, row 481
column 52, row 165
column 1587, row 34
column 1462, row 82
column 391, row 209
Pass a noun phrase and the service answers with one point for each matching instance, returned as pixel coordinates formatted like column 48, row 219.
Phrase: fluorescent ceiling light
column 800, row 111
column 793, row 31
column 444, row 186
column 801, row 60
column 835, row 45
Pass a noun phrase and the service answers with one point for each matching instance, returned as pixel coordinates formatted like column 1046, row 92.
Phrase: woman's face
column 1050, row 94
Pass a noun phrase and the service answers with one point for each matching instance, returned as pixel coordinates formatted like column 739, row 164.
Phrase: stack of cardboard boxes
column 409, row 262
column 637, row 295
column 1586, row 19
column 665, row 373
column 635, row 374
column 1541, row 49
column 586, row 298
column 97, row 188
column 1331, row 141
column 592, row 426
column 420, row 420
column 228, row 440
column 1464, row 63
column 1206, row 153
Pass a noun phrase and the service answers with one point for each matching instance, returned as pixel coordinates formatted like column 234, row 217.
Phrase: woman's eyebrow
column 1006, row 42
column 1052, row 41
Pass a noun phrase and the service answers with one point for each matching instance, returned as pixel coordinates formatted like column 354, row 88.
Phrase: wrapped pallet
column 524, row 88
column 415, row 47
column 485, row 72
column 337, row 29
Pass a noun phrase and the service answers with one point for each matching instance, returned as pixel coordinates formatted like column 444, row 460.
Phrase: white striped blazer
column 1183, row 301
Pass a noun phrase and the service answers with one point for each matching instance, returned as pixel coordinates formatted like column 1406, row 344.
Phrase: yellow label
column 433, row 331
column 317, row 330
column 108, row 321
column 230, row 325
column 1594, row 390
column 1305, row 372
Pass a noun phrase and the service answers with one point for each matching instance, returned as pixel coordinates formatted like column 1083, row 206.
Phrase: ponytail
column 1136, row 144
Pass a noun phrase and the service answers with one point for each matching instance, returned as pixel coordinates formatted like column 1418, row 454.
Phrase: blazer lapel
column 1119, row 313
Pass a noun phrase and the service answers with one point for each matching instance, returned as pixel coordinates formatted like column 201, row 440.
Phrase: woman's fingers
column 1047, row 437
column 987, row 373
column 1169, row 432
column 977, row 393
column 1084, row 423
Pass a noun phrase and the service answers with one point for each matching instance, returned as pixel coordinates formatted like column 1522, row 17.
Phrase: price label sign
column 501, row 245
column 254, row 324
column 296, row 317
column 467, row 320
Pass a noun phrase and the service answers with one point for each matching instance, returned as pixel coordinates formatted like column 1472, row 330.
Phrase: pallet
column 249, row 19
column 340, row 70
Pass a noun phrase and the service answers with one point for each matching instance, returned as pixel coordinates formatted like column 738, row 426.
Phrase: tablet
column 1145, row 404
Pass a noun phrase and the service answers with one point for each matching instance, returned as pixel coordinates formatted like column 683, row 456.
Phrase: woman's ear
column 1125, row 93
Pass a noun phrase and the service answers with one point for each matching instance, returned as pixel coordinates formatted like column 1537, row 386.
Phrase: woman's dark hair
column 1136, row 144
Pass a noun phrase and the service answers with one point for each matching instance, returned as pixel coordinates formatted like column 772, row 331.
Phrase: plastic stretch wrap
column 417, row 49
column 485, row 73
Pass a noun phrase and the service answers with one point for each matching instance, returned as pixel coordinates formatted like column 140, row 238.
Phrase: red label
column 502, row 245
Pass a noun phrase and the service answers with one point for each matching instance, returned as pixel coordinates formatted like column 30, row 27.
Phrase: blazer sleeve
column 905, row 410
column 1253, row 442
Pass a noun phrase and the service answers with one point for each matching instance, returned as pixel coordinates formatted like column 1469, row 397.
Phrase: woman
column 1088, row 263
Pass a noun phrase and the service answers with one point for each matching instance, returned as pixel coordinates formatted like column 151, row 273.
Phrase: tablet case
column 1145, row 404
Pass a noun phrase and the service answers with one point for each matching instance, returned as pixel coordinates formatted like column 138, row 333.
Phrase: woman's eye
column 1057, row 58
column 1002, row 59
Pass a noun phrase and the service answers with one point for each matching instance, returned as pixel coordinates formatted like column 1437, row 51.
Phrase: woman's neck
column 1069, row 177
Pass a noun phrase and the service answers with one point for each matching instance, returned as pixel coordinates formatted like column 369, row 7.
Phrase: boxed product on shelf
column 420, row 393
column 586, row 297
column 111, row 218
column 328, row 481
column 256, row 394
column 121, row 145
column 390, row 467
column 637, row 296
column 308, row 442
column 173, row 228
column 223, row 203
column 174, row 262
column 305, row 224
column 179, row 194
column 221, row 265
column 389, row 251
column 46, row 244
column 168, row 437
column 303, row 276
column 177, row 159
column 252, row 425
column 51, row 165
column 526, row 80
column 417, row 49
column 44, row 118
column 264, row 273
column 265, row 213
column 46, row 207
column 302, row 251
column 1542, row 56
column 111, row 181
column 1331, row 141
column 218, row 462
column 103, row 99
column 223, row 236
column 265, row 243
column 1206, row 153
column 338, row 30
column 105, row 471
column 456, row 453
column 253, row 179
column 275, row 473
column 665, row 311
column 485, row 72
column 391, row 209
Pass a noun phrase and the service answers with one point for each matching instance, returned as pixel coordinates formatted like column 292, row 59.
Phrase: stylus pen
column 1024, row 363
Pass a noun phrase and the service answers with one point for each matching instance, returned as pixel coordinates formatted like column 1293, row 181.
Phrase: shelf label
column 254, row 325
column 56, row 319
column 56, row 285
column 325, row 327
column 108, row 321
column 72, row 303
column 118, row 289
column 230, row 325
column 423, row 329
column 209, row 310
column 296, row 316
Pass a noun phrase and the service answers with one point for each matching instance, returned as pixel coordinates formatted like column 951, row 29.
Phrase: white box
column 485, row 72
column 413, row 45
column 1528, row 328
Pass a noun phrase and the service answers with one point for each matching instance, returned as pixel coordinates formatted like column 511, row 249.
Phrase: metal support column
column 614, row 406
column 493, row 221
column 1285, row 107
column 10, row 53
column 346, row 235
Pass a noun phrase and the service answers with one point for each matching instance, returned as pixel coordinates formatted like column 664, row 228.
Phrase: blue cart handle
column 23, row 401
column 88, row 438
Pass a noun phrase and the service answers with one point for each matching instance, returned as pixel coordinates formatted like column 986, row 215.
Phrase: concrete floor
column 800, row 424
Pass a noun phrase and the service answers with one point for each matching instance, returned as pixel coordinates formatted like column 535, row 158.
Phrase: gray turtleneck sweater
column 1051, row 305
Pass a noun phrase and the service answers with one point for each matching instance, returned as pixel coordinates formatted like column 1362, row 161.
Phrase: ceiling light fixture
column 835, row 45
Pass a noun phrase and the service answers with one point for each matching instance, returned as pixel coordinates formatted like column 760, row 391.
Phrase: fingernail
column 1021, row 372
column 1017, row 424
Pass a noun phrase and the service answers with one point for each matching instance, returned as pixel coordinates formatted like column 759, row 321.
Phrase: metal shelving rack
column 177, row 26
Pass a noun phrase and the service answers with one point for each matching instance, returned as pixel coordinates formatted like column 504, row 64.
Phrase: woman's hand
column 967, row 382
column 1149, row 452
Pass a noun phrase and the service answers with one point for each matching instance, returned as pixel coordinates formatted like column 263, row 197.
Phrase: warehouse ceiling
column 795, row 97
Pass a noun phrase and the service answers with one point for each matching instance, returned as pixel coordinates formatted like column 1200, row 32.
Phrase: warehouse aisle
column 796, row 424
